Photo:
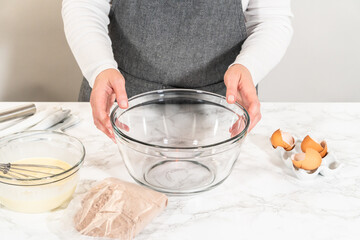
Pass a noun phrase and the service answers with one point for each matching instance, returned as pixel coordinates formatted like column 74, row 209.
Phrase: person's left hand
column 240, row 88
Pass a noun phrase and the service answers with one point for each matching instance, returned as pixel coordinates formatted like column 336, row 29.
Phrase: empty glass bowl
column 180, row 141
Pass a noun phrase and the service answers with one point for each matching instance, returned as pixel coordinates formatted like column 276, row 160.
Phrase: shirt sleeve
column 86, row 30
column 269, row 30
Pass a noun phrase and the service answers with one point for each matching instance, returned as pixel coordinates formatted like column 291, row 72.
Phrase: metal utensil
column 52, row 120
column 17, row 112
column 17, row 170
column 29, row 121
column 66, row 123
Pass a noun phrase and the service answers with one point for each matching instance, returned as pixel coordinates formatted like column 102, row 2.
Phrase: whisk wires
column 27, row 170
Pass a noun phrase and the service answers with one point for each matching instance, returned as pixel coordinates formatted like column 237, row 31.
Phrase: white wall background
column 323, row 60
column 35, row 62
column 322, row 63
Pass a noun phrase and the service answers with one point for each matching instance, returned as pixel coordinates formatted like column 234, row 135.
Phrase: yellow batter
column 39, row 198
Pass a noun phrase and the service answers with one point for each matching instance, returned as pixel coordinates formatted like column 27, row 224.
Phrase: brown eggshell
column 310, row 160
column 324, row 151
column 299, row 157
column 308, row 142
column 282, row 139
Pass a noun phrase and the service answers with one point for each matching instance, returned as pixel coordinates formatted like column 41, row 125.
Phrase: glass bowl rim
column 232, row 139
column 35, row 132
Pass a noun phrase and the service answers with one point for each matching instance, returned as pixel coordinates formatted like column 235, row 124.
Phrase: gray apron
column 174, row 44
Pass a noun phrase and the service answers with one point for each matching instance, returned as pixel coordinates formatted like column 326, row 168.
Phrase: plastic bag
column 117, row 209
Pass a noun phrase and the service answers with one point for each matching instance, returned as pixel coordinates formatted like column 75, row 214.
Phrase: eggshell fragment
column 282, row 139
column 323, row 153
column 310, row 160
column 308, row 142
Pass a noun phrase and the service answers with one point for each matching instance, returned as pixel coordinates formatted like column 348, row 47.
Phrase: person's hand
column 240, row 88
column 109, row 85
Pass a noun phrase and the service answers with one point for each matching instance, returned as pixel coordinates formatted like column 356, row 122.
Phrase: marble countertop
column 261, row 199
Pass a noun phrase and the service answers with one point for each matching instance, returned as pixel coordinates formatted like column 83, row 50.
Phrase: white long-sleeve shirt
column 268, row 24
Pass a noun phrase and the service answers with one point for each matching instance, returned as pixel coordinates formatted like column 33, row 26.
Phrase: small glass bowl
column 34, row 195
column 180, row 141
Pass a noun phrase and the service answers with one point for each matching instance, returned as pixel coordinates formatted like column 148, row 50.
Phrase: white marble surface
column 260, row 200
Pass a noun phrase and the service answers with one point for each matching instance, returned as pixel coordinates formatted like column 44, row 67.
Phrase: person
column 127, row 47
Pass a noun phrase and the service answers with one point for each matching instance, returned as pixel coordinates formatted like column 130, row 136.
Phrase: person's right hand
column 109, row 85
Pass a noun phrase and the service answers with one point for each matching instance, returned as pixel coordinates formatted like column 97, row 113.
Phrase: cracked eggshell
column 308, row 142
column 329, row 165
column 310, row 160
column 324, row 152
column 282, row 139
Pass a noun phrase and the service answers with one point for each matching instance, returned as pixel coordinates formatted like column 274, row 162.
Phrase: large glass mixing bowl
column 180, row 141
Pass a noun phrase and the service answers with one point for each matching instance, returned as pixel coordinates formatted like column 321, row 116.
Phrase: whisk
column 17, row 170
